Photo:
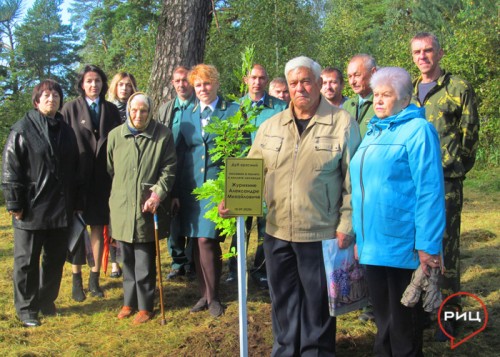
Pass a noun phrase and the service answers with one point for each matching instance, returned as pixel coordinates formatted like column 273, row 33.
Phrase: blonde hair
column 114, row 84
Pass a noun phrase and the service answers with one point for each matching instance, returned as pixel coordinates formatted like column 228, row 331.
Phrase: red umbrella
column 105, row 251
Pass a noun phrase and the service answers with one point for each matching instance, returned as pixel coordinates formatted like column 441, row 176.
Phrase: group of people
column 381, row 171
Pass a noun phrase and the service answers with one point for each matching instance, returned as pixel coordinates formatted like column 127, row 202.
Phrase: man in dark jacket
column 39, row 183
column 170, row 114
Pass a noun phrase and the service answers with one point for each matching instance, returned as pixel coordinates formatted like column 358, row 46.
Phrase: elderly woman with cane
column 142, row 164
column 398, row 208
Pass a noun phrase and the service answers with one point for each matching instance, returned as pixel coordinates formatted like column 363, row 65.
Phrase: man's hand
column 344, row 240
column 428, row 260
column 18, row 215
column 223, row 211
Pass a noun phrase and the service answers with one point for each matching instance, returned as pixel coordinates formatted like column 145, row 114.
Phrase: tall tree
column 181, row 38
column 10, row 14
column 48, row 48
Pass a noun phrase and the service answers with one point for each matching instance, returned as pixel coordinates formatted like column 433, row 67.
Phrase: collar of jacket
column 268, row 100
column 439, row 82
column 221, row 105
column 408, row 113
column 177, row 104
column 323, row 115
column 148, row 133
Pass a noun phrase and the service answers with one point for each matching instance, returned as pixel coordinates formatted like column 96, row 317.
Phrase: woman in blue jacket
column 398, row 208
column 195, row 166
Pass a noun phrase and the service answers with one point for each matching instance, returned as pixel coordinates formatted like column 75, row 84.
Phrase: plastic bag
column 345, row 277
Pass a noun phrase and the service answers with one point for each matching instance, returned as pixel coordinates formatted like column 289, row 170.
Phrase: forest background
column 121, row 36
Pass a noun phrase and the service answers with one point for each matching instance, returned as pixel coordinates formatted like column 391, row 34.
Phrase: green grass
column 91, row 327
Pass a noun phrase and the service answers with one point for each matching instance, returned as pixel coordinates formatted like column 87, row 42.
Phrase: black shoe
column 175, row 273
column 31, row 322
column 48, row 309
column 232, row 278
column 77, row 292
column 260, row 279
column 94, row 288
column 199, row 306
column 215, row 308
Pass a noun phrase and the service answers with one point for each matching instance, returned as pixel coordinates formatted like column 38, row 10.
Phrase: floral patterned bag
column 345, row 277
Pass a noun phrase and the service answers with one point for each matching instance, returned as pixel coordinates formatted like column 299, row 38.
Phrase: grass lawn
column 91, row 327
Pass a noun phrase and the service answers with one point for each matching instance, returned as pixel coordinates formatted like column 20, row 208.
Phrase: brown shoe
column 142, row 317
column 125, row 312
column 199, row 306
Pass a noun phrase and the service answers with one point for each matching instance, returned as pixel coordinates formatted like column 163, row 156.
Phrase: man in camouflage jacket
column 451, row 106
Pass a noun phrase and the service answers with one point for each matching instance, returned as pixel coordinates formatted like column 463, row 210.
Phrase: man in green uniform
column 359, row 72
column 451, row 106
column 170, row 114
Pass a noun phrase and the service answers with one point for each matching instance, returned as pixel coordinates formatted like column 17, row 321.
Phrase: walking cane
column 158, row 270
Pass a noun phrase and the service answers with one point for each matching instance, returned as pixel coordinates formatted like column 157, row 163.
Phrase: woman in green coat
column 142, row 164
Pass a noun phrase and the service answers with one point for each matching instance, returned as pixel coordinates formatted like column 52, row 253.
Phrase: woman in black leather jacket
column 40, row 183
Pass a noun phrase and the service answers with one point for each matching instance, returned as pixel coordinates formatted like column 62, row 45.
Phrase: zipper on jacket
column 362, row 194
column 295, row 154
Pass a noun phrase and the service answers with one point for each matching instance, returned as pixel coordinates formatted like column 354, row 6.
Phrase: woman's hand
column 428, row 260
column 223, row 211
column 152, row 203
column 18, row 215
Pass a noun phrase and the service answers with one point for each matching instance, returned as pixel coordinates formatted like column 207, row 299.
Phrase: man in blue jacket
column 257, row 80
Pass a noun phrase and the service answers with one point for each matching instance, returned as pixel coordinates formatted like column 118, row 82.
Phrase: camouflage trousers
column 450, row 282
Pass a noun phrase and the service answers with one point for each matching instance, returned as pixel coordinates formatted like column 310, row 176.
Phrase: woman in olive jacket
column 142, row 164
column 92, row 118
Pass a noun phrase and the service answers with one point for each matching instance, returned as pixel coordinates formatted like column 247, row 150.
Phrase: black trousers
column 35, row 287
column 180, row 248
column 302, row 325
column 139, row 275
column 399, row 328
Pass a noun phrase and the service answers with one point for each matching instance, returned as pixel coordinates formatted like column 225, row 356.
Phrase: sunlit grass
column 91, row 327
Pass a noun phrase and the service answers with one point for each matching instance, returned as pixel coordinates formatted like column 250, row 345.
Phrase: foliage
column 278, row 29
column 120, row 35
column 46, row 48
column 10, row 14
column 469, row 36
column 232, row 139
column 39, row 47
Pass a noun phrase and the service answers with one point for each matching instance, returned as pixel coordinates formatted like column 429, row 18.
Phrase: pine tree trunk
column 182, row 32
